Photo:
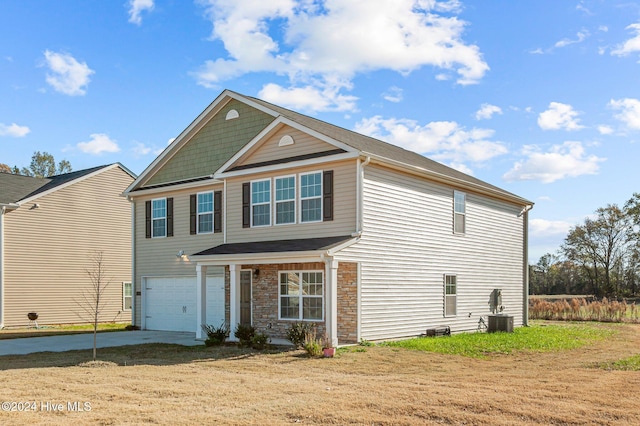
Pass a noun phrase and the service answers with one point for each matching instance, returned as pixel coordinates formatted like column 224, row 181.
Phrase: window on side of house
column 311, row 197
column 159, row 218
column 450, row 295
column 459, row 212
column 301, row 295
column 205, row 212
column 261, row 203
column 127, row 296
column 285, row 199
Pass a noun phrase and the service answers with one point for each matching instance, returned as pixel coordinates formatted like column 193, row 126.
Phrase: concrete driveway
column 85, row 341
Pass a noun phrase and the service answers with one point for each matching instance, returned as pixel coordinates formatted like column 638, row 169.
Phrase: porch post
column 201, row 299
column 331, row 320
column 234, row 280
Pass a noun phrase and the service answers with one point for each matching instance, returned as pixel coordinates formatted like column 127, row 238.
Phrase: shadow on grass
column 160, row 354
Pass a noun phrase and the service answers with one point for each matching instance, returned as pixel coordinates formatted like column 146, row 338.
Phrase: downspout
column 2, row 213
column 133, row 262
column 525, row 264
column 224, row 212
column 360, row 191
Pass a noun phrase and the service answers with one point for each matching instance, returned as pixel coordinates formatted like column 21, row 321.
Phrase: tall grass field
column 579, row 309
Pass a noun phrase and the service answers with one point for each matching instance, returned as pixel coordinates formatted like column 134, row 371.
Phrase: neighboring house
column 49, row 229
column 259, row 215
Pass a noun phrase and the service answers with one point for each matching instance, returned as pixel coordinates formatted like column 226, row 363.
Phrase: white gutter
column 2, row 213
column 133, row 261
column 525, row 264
column 359, row 192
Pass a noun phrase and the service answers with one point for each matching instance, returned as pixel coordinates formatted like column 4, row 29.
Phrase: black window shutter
column 192, row 213
column 147, row 219
column 246, row 205
column 327, row 195
column 169, row 217
column 217, row 211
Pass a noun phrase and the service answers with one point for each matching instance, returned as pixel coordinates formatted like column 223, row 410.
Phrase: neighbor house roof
column 307, row 244
column 17, row 188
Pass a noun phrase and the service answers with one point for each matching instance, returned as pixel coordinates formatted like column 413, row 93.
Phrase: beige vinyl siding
column 269, row 150
column 157, row 257
column 344, row 207
column 214, row 144
column 408, row 245
column 47, row 250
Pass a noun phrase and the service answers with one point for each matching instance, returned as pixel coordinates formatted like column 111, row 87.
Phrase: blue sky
column 541, row 98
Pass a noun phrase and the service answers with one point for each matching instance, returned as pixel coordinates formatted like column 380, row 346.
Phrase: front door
column 245, row 297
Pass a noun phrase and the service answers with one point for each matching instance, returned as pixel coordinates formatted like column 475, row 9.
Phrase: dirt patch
column 164, row 384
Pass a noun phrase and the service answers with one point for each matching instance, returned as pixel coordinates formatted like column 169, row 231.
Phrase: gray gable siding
column 213, row 145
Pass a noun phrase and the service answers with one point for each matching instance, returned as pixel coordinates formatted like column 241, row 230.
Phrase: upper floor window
column 311, row 197
column 459, row 212
column 285, row 200
column 205, row 212
column 261, row 203
column 159, row 218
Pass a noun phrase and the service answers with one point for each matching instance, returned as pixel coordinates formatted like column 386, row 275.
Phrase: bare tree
column 93, row 299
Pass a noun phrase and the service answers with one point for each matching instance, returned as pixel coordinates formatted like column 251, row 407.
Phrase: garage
column 170, row 303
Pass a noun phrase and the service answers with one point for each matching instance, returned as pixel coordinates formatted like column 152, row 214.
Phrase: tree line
column 600, row 257
column 42, row 165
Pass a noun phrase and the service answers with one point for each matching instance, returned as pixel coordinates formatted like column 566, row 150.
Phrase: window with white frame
column 159, row 218
column 311, row 197
column 285, row 198
column 261, row 203
column 450, row 295
column 205, row 212
column 459, row 212
column 301, row 295
column 127, row 296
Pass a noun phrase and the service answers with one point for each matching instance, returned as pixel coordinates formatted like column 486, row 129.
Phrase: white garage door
column 170, row 303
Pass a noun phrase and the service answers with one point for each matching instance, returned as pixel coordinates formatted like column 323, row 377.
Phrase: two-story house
column 50, row 230
column 259, row 215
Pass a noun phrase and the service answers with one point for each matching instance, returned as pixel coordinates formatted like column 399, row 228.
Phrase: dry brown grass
column 163, row 384
column 578, row 309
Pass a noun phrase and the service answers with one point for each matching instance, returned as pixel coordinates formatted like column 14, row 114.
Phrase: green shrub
column 244, row 334
column 260, row 341
column 298, row 332
column 216, row 335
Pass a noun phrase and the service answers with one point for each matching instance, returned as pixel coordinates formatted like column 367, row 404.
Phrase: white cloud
column 630, row 46
column 580, row 37
column 13, row 130
column 308, row 98
column 629, row 111
column 140, row 149
column 324, row 43
column 98, row 144
column 559, row 116
column 67, row 75
column 560, row 162
column 170, row 141
column 393, row 94
column 486, row 111
column 442, row 140
column 136, row 7
column 545, row 228
column 605, row 130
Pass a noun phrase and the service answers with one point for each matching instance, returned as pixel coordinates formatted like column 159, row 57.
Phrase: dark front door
column 245, row 297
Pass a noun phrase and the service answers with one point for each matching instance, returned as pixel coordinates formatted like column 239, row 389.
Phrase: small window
column 232, row 114
column 311, row 197
column 301, row 295
column 459, row 212
column 285, row 200
column 159, row 218
column 261, row 203
column 127, row 296
column 450, row 295
column 205, row 213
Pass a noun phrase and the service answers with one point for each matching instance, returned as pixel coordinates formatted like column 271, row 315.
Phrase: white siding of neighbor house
column 48, row 250
column 157, row 257
column 408, row 245
column 344, row 207
column 269, row 150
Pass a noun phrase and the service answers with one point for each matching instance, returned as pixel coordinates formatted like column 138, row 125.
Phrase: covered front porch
column 273, row 284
